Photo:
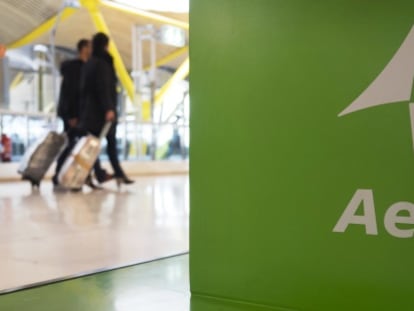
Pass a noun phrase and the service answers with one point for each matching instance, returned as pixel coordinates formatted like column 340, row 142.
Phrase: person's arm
column 74, row 96
column 71, row 71
column 62, row 109
column 104, row 85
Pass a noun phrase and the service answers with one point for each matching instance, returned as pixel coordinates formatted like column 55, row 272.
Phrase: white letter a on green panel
column 368, row 219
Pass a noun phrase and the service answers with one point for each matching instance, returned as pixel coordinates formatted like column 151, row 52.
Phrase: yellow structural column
column 93, row 8
column 17, row 80
column 181, row 73
column 165, row 60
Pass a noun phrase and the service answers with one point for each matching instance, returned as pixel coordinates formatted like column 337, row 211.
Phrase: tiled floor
column 157, row 286
column 49, row 235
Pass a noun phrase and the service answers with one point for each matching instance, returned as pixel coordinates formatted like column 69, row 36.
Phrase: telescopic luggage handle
column 105, row 130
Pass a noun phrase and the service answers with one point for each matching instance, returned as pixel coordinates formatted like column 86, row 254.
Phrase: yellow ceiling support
column 41, row 29
column 170, row 57
column 91, row 5
column 146, row 106
column 100, row 25
column 181, row 73
column 17, row 80
column 93, row 8
column 142, row 13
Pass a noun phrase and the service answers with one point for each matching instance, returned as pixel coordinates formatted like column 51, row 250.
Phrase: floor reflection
column 160, row 285
column 46, row 235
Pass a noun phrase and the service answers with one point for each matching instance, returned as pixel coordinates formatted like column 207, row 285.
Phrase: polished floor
column 46, row 235
column 161, row 285
column 157, row 286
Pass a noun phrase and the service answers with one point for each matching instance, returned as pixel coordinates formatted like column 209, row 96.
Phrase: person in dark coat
column 68, row 106
column 99, row 101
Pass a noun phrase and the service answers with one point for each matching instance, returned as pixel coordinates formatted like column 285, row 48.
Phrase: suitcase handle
column 105, row 130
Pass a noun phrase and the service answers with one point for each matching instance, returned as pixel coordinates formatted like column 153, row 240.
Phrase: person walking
column 69, row 105
column 99, row 101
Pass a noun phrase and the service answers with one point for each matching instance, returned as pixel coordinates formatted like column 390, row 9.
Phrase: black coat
column 69, row 98
column 98, row 92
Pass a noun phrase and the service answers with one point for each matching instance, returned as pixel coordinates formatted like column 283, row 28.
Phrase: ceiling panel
column 19, row 17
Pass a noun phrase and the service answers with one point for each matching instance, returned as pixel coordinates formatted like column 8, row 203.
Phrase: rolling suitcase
column 78, row 165
column 38, row 158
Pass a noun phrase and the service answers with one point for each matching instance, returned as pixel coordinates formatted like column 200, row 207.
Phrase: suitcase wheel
column 35, row 183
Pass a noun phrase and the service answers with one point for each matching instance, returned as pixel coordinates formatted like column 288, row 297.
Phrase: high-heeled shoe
column 124, row 181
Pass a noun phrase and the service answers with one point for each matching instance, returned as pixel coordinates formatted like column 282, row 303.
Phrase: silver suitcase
column 40, row 156
column 78, row 165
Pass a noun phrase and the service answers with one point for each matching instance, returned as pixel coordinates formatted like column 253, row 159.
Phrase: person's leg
column 120, row 176
column 59, row 163
column 65, row 153
column 113, row 153
column 100, row 173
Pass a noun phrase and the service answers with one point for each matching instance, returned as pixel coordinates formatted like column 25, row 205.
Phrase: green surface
column 212, row 304
column 268, row 79
column 160, row 285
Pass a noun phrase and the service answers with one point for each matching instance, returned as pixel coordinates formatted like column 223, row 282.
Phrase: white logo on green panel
column 393, row 85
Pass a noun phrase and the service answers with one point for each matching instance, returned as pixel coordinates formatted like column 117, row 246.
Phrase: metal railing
column 134, row 140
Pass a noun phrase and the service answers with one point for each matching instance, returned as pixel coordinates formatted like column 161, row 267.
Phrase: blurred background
column 150, row 48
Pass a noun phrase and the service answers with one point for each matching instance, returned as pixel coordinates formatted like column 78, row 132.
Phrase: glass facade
column 27, row 109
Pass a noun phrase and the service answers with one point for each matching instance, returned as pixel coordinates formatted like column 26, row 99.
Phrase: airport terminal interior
column 206, row 155
column 119, row 247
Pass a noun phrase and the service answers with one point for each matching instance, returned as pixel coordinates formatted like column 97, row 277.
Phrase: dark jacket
column 98, row 92
column 69, row 98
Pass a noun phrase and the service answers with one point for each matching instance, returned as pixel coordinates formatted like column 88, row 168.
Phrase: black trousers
column 72, row 135
column 112, row 154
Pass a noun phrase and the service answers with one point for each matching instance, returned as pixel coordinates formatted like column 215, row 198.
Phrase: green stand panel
column 302, row 161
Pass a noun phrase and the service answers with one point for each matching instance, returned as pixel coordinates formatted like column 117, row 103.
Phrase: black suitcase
column 40, row 156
